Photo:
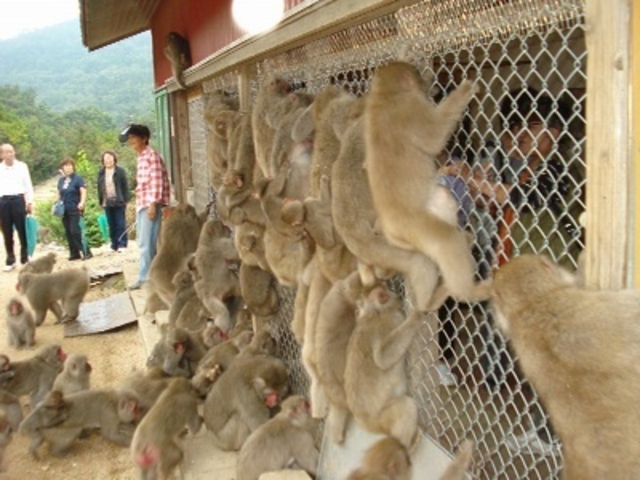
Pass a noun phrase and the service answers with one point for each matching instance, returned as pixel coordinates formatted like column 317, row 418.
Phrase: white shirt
column 16, row 180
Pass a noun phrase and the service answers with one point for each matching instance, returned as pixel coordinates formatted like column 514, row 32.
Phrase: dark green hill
column 117, row 79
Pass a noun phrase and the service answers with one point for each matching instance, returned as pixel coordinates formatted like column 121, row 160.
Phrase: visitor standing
column 16, row 201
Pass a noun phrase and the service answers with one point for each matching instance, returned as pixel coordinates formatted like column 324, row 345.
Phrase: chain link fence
column 516, row 166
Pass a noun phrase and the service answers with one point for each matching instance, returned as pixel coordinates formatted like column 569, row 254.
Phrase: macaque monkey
column 215, row 281
column 249, row 241
column 578, row 348
column 242, row 398
column 286, row 438
column 375, row 380
column 272, row 91
column 12, row 409
column 43, row 235
column 177, row 352
column 154, row 447
column 183, row 283
column 404, row 131
column 145, row 385
column 43, row 291
column 221, row 112
column 259, row 290
column 387, row 459
column 179, row 55
column 6, row 372
column 21, row 327
column 75, row 376
column 51, row 411
column 43, row 264
column 104, row 409
column 35, row 376
column 5, row 437
column 243, row 322
column 217, row 360
column 336, row 321
column 178, row 240
column 355, row 219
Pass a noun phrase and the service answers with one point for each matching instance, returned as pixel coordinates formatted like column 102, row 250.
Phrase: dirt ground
column 112, row 355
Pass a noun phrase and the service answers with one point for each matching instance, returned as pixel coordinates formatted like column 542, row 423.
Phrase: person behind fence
column 533, row 196
column 72, row 191
column 152, row 194
column 16, row 201
column 113, row 195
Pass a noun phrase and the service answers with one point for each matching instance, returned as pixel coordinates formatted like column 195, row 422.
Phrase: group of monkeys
column 277, row 171
column 332, row 195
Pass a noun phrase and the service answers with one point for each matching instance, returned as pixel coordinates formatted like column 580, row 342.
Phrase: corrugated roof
column 104, row 22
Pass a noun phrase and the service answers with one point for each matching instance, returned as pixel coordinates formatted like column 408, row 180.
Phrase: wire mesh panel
column 516, row 167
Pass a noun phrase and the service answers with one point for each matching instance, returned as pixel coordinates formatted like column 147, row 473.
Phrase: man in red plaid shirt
column 152, row 193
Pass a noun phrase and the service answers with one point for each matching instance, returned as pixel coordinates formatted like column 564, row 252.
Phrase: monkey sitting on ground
column 146, row 386
column 6, row 372
column 286, row 438
column 178, row 351
column 5, row 437
column 241, row 400
column 9, row 403
column 21, row 327
column 179, row 55
column 42, row 264
column 579, row 350
column 50, row 411
column 75, row 376
column 154, row 448
column 217, row 360
column 375, row 380
column 12, row 409
column 404, row 131
column 103, row 409
column 35, row 376
column 43, row 291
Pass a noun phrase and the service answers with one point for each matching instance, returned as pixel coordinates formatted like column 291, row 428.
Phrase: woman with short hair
column 73, row 193
column 113, row 195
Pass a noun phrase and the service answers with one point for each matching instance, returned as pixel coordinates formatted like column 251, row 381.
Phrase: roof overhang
column 104, row 22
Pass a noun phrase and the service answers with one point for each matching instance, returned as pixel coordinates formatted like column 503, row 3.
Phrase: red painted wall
column 207, row 24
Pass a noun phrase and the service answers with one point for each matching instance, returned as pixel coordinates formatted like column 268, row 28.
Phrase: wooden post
column 180, row 143
column 635, row 97
column 609, row 182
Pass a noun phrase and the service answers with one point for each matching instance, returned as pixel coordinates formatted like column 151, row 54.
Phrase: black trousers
column 13, row 213
column 71, row 223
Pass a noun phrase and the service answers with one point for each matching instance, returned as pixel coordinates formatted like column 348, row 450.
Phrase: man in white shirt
column 16, row 201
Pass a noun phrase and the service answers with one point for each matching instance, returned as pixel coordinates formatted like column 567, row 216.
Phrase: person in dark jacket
column 113, row 195
column 73, row 193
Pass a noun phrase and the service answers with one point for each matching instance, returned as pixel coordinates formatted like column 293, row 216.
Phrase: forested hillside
column 116, row 79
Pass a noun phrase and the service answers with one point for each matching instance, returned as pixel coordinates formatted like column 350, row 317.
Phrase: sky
column 22, row 16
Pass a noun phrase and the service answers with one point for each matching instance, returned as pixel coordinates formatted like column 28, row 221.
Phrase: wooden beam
column 318, row 20
column 608, row 223
column 635, row 97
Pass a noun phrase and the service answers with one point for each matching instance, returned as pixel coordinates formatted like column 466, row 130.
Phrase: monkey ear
column 304, row 126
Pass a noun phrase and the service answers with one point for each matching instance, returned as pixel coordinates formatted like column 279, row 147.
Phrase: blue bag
column 58, row 209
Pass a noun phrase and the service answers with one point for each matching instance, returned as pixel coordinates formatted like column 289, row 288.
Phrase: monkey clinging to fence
column 179, row 55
